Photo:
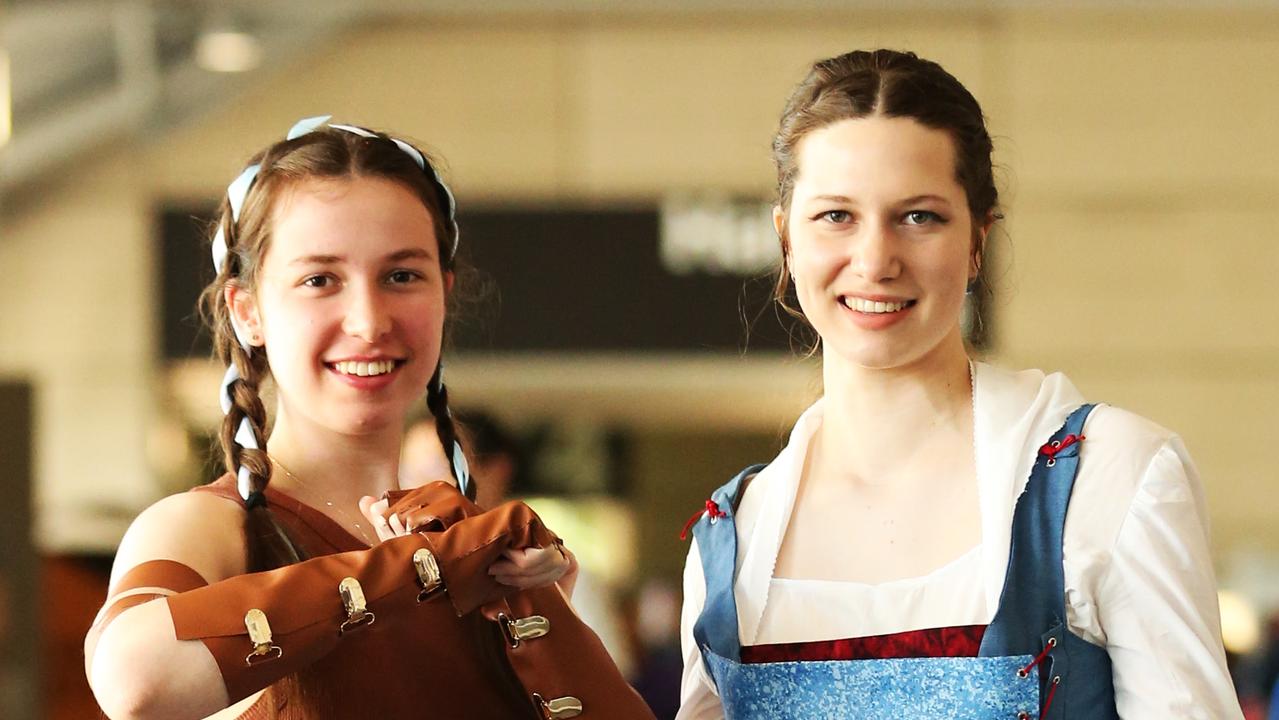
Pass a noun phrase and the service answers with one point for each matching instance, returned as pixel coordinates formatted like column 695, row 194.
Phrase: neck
column 334, row 466
column 880, row 423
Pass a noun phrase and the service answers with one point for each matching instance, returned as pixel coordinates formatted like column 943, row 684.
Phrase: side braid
column 437, row 401
column 268, row 543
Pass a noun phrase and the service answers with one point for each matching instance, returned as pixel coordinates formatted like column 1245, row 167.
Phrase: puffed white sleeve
column 1157, row 601
column 698, row 699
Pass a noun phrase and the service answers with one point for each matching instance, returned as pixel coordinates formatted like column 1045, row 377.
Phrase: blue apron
column 1028, row 657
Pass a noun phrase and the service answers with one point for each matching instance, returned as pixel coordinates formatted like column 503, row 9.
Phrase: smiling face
column 349, row 303
column 881, row 242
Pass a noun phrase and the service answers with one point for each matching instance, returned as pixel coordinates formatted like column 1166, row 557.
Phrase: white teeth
column 871, row 306
column 364, row 369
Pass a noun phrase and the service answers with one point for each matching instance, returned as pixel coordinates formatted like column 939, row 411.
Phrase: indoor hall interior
column 611, row 162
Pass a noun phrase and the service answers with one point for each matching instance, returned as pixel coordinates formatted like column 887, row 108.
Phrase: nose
column 875, row 253
column 366, row 317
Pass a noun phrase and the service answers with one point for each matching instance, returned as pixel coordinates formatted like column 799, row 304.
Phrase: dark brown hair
column 886, row 83
column 325, row 153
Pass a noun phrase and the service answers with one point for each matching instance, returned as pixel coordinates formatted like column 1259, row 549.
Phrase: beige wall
column 1140, row 153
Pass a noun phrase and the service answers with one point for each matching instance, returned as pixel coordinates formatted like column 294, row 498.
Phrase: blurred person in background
column 335, row 254
column 660, row 665
column 910, row 552
column 493, row 455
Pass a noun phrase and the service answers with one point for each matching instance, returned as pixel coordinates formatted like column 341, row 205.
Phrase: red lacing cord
column 1043, row 654
column 1050, row 450
column 1051, row 691
column 712, row 509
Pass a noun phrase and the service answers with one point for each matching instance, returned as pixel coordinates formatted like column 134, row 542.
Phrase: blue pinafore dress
column 1028, row 664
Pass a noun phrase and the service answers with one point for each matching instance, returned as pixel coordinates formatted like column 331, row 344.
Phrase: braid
column 246, row 404
column 268, row 544
column 437, row 401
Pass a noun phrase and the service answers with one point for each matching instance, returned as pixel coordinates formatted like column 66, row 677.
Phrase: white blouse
column 1138, row 574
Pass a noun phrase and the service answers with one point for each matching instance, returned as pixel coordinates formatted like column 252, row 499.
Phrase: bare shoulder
column 200, row 530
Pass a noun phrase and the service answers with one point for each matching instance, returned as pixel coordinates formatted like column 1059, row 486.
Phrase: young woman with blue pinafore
column 940, row 538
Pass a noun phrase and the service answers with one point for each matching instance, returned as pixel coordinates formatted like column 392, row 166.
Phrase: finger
column 366, row 507
column 536, row 560
column 384, row 531
column 525, row 581
column 396, row 525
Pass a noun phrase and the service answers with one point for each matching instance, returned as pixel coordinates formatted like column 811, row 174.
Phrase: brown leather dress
column 394, row 668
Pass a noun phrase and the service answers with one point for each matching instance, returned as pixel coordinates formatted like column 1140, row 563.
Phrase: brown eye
column 401, row 277
column 839, row 217
column 922, row 217
column 316, row 281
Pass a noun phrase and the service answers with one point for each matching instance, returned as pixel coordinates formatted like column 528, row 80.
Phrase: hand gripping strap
column 432, row 507
column 467, row 540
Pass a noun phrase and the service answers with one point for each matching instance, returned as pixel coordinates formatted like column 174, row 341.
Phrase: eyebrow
column 907, row 201
column 397, row 256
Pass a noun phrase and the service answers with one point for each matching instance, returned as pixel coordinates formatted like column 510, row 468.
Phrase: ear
column 779, row 227
column 449, row 277
column 979, row 246
column 244, row 313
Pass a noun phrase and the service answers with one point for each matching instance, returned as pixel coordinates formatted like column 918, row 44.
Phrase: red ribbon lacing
column 1050, row 450
column 712, row 509
column 1043, row 654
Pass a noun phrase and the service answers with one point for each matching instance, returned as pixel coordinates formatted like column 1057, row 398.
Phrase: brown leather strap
column 304, row 609
column 568, row 663
column 146, row 582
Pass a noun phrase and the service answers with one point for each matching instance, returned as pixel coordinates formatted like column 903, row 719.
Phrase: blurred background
column 611, row 161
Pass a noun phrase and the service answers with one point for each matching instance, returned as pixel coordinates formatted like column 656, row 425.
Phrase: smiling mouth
column 360, row 368
column 872, row 306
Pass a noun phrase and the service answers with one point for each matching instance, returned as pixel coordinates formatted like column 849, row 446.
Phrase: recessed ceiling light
column 227, row 51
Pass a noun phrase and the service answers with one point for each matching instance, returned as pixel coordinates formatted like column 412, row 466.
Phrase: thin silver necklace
column 346, row 518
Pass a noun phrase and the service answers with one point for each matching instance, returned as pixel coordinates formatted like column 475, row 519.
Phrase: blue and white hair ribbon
column 461, row 469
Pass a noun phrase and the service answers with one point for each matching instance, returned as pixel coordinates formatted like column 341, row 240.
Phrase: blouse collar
column 1014, row 412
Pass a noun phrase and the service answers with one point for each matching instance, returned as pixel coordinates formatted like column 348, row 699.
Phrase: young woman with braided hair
column 335, row 254
column 910, row 553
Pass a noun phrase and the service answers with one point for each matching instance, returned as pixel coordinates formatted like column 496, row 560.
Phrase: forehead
column 349, row 217
column 876, row 157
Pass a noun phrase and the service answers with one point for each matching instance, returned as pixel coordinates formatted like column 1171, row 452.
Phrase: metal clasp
column 260, row 634
column 559, row 708
column 428, row 573
column 518, row 630
column 357, row 608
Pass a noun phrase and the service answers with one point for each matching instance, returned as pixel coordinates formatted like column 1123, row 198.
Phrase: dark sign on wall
column 558, row 280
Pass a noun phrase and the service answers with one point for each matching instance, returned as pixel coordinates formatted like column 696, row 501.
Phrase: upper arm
column 200, row 530
column 698, row 700
column 1157, row 599
column 135, row 662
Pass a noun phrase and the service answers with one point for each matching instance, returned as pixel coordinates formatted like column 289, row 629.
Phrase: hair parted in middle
column 243, row 233
column 893, row 84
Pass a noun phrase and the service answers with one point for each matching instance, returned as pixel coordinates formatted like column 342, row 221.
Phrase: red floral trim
column 964, row 641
